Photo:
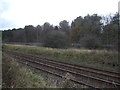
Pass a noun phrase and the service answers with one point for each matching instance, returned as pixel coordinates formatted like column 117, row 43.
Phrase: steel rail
column 68, row 65
column 96, row 69
column 56, row 74
column 81, row 69
column 111, row 84
column 77, row 68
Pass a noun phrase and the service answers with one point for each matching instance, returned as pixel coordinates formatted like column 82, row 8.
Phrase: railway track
column 91, row 77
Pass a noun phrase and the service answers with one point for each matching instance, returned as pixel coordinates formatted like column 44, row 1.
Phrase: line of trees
column 91, row 31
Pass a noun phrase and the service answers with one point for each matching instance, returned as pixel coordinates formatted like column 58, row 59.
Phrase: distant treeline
column 90, row 31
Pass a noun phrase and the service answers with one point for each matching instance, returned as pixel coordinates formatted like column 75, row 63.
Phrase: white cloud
column 25, row 12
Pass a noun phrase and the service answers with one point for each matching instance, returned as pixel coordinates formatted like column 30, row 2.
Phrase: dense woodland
column 91, row 31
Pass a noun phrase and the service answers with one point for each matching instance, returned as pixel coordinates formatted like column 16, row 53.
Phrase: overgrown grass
column 94, row 58
column 16, row 75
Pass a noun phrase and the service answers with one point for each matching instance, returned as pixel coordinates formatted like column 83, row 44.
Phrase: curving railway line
column 88, row 76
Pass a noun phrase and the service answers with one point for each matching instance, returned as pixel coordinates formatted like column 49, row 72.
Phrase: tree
column 76, row 29
column 19, row 35
column 64, row 26
column 47, row 26
column 84, row 26
column 56, row 39
column 7, row 35
column 38, row 33
column 110, row 31
column 92, row 24
column 30, row 33
column 56, row 28
column 90, row 42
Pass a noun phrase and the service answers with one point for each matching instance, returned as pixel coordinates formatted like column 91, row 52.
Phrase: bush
column 90, row 42
column 56, row 39
column 15, row 75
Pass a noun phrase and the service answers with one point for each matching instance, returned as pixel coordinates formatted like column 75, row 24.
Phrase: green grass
column 92, row 58
column 16, row 75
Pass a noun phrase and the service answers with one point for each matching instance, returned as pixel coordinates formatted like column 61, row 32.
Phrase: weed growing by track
column 95, row 58
column 16, row 75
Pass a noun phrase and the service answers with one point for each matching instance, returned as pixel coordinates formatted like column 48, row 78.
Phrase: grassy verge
column 95, row 58
column 16, row 75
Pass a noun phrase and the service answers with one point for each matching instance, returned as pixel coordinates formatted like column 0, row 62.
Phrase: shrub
column 56, row 39
column 90, row 42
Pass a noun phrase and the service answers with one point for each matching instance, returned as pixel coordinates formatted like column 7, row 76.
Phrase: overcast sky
column 18, row 13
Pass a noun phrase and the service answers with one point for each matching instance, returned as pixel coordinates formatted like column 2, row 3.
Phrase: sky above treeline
column 18, row 13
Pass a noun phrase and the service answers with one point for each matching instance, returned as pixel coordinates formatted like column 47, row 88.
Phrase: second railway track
column 91, row 77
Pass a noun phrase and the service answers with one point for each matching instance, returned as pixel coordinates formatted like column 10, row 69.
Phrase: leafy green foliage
column 90, row 42
column 110, row 32
column 104, row 28
column 84, row 26
column 56, row 39
column 64, row 26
